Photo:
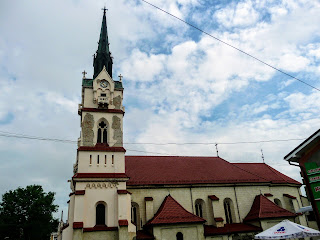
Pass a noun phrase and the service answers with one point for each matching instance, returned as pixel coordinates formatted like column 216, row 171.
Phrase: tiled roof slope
column 157, row 170
column 171, row 212
column 266, row 172
column 230, row 229
column 262, row 208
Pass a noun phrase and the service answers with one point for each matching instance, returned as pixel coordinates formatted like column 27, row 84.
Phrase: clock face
column 104, row 83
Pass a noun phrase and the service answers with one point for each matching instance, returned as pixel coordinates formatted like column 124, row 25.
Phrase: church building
column 119, row 197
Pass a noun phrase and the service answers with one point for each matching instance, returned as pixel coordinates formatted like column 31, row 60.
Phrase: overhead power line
column 228, row 44
column 23, row 136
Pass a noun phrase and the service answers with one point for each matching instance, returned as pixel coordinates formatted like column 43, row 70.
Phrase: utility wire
column 228, row 44
column 17, row 135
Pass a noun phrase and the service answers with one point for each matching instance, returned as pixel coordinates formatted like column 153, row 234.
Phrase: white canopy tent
column 287, row 229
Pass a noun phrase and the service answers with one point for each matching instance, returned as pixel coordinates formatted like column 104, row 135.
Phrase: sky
column 180, row 85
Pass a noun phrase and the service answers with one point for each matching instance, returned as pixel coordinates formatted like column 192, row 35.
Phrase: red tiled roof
column 156, row 170
column 213, row 197
column 77, row 225
column 144, row 235
column 80, row 192
column 262, row 207
column 219, row 219
column 267, row 172
column 171, row 212
column 123, row 222
column 100, row 175
column 268, row 194
column 101, row 147
column 230, row 228
column 100, row 228
column 289, row 196
column 123, row 192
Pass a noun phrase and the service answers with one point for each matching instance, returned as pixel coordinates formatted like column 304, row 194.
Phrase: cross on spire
column 104, row 10
column 120, row 77
column 84, row 74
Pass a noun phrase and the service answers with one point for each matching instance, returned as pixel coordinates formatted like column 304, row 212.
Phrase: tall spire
column 103, row 55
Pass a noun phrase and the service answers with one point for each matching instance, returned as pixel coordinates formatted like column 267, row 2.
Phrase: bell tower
column 99, row 204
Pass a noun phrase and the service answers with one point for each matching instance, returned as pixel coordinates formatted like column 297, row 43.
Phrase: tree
column 26, row 213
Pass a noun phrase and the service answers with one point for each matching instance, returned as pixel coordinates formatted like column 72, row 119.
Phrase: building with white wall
column 120, row 197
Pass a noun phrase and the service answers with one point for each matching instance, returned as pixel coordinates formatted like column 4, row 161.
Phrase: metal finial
column 262, row 156
column 217, row 149
column 84, row 74
column 120, row 76
column 104, row 9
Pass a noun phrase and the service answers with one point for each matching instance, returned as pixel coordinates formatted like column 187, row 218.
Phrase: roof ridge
column 260, row 206
column 276, row 172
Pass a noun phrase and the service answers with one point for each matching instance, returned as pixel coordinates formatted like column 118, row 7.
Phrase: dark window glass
column 179, row 236
column 134, row 215
column 199, row 209
column 105, row 136
column 100, row 214
column 99, row 136
column 227, row 210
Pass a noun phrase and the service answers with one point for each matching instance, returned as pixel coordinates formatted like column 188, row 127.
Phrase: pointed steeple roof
column 103, row 55
column 262, row 208
column 171, row 212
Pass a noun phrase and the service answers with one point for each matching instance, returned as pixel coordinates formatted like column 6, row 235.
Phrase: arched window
column 179, row 236
column 135, row 217
column 291, row 206
column 102, row 134
column 278, row 202
column 228, row 210
column 100, row 214
column 200, row 208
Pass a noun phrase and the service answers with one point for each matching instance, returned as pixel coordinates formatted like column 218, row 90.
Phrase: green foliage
column 26, row 213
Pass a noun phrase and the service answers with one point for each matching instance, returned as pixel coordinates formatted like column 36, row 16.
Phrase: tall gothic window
column 135, row 217
column 102, row 136
column 199, row 207
column 134, row 214
column 228, row 210
column 100, row 214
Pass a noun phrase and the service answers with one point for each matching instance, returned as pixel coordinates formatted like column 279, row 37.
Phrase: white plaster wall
column 94, row 196
column 85, row 205
column 108, row 117
column 79, row 208
column 84, row 165
column 245, row 198
column 122, row 203
column 190, row 232
column 67, row 233
column 89, row 96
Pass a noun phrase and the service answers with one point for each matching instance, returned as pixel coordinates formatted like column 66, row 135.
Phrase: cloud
column 241, row 15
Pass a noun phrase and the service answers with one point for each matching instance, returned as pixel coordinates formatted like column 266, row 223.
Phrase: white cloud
column 141, row 67
column 241, row 15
